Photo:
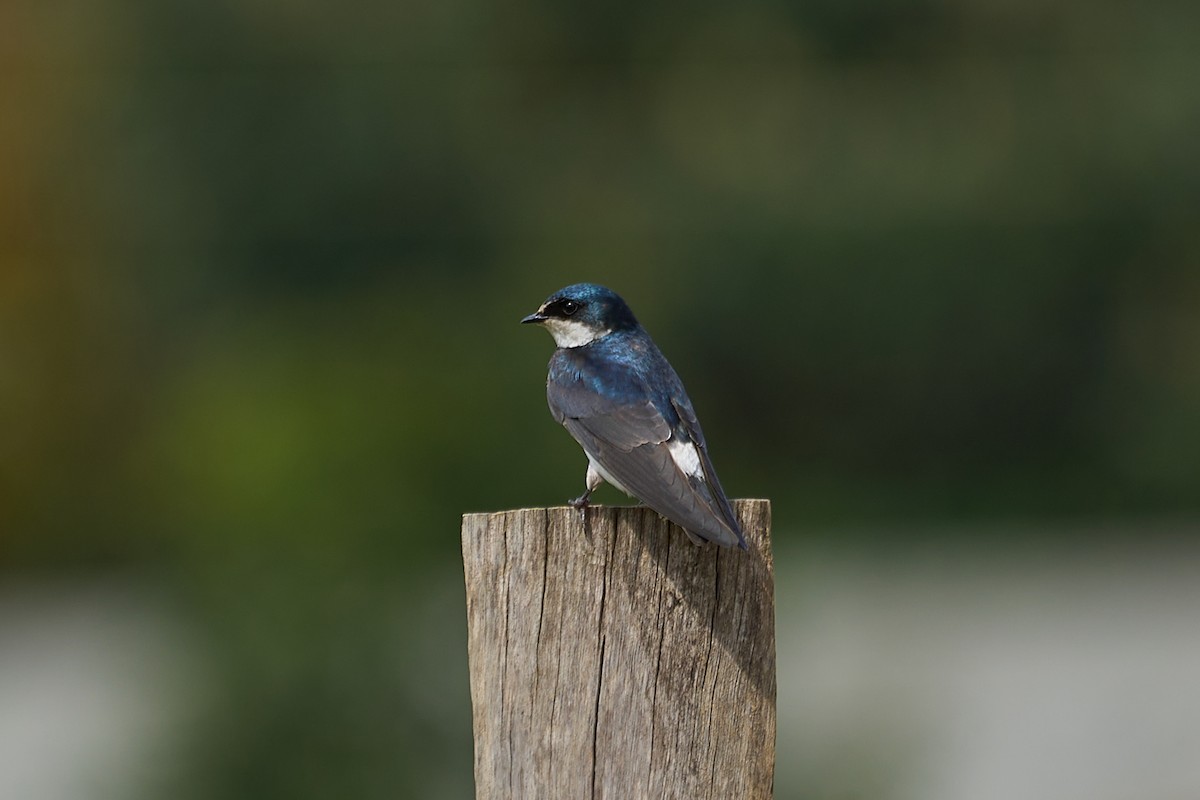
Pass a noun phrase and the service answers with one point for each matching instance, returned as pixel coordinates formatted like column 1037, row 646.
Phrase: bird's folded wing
column 621, row 425
column 688, row 416
column 633, row 441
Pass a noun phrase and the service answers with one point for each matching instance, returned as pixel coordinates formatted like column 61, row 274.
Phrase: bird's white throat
column 571, row 333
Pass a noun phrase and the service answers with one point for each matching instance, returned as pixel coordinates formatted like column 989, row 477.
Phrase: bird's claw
column 580, row 504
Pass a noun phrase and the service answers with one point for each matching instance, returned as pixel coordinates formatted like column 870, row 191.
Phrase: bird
column 615, row 392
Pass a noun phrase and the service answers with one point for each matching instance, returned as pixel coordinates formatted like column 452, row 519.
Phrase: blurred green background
column 930, row 272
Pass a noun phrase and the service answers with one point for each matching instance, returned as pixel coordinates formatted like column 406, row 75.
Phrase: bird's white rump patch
column 686, row 457
column 572, row 333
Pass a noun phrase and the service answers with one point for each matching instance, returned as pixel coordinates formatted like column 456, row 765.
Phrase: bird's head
column 582, row 313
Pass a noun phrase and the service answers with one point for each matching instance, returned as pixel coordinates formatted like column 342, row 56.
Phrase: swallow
column 613, row 390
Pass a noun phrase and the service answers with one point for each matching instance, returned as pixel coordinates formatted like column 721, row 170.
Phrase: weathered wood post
column 615, row 659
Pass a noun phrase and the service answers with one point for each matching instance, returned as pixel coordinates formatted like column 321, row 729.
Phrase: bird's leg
column 580, row 503
column 592, row 480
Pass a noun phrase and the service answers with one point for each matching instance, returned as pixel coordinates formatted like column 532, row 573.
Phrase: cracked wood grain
column 615, row 659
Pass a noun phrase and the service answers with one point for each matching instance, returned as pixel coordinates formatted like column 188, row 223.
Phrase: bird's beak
column 535, row 317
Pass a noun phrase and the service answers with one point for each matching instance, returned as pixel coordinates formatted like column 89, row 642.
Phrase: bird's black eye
column 568, row 307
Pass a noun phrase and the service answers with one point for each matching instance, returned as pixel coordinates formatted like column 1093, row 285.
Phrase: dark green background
column 261, row 266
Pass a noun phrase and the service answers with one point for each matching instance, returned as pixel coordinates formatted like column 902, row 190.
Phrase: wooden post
column 613, row 658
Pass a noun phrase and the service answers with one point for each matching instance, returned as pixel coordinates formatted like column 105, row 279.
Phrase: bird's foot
column 581, row 504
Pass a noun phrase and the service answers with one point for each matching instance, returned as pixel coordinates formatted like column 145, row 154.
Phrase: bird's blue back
column 625, row 367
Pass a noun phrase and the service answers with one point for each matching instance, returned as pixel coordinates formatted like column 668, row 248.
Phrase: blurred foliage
column 261, row 265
